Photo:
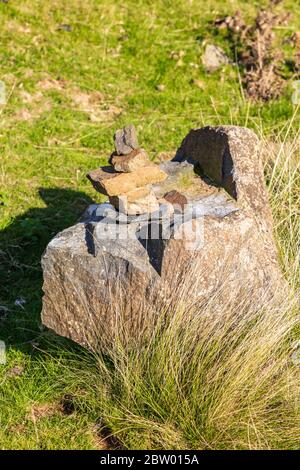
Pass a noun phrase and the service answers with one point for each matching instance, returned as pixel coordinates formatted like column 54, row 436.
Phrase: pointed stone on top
column 126, row 140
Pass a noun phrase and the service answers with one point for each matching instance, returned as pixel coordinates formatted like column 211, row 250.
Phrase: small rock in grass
column 67, row 404
column 126, row 140
column 16, row 371
column 160, row 87
column 65, row 27
column 296, row 357
column 295, row 39
column 179, row 63
column 213, row 58
column 131, row 162
column 198, row 83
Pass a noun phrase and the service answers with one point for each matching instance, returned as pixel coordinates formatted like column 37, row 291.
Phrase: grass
column 67, row 92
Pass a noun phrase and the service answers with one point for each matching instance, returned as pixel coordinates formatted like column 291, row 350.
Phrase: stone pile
column 127, row 180
column 97, row 278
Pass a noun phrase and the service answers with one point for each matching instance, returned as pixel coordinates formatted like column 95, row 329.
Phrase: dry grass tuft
column 218, row 376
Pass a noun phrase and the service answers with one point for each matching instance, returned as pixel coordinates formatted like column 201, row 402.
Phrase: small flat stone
column 123, row 183
column 131, row 196
column 108, row 214
column 136, row 159
column 126, row 140
column 176, row 199
column 99, row 175
column 162, row 212
column 138, row 193
column 144, row 204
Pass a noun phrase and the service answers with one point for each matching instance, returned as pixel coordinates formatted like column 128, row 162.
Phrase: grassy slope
column 121, row 49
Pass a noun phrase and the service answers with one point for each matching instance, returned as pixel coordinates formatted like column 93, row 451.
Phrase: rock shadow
column 22, row 244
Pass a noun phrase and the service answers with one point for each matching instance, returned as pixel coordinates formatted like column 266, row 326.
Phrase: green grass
column 50, row 137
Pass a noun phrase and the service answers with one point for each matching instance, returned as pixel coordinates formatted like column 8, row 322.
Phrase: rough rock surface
column 108, row 182
column 133, row 161
column 132, row 204
column 97, row 177
column 182, row 178
column 110, row 269
column 229, row 156
column 126, row 140
column 80, row 287
column 136, row 194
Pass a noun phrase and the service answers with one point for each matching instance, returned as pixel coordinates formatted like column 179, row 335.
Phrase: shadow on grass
column 21, row 246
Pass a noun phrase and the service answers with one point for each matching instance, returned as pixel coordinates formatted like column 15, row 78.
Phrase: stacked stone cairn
column 127, row 180
column 216, row 243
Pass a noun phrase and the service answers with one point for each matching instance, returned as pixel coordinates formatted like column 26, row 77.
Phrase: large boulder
column 114, row 272
column 230, row 157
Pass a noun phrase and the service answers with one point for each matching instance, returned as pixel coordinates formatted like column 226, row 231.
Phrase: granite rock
column 89, row 287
